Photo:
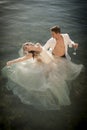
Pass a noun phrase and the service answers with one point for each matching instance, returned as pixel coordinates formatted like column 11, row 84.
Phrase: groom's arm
column 71, row 43
column 50, row 44
column 47, row 45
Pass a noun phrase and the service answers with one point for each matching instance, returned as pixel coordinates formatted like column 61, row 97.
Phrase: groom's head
column 55, row 30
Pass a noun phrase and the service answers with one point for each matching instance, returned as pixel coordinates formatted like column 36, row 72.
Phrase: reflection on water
column 30, row 20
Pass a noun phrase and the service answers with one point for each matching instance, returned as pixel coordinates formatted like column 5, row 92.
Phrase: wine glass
column 75, row 48
column 74, row 53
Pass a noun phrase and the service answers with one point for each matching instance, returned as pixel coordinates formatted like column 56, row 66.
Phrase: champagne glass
column 75, row 48
column 74, row 53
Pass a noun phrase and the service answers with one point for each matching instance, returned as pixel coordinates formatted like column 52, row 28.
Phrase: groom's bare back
column 59, row 49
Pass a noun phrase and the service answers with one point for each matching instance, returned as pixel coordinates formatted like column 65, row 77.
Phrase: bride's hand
column 9, row 63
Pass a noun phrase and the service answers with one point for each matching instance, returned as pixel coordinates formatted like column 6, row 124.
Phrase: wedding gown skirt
column 45, row 86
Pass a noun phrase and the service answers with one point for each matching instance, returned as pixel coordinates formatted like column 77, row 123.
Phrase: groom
column 58, row 43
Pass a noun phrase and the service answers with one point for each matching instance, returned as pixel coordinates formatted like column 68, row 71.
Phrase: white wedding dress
column 42, row 85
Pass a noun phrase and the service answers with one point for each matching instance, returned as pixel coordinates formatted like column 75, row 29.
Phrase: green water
column 27, row 20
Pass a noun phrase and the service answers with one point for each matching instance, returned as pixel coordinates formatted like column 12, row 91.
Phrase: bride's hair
column 34, row 53
column 27, row 44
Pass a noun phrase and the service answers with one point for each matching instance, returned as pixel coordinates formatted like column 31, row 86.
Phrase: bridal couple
column 40, row 76
column 57, row 45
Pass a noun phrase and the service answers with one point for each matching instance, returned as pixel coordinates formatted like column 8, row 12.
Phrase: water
column 30, row 20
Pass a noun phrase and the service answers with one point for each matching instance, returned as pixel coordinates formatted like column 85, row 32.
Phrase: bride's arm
column 19, row 59
column 36, row 48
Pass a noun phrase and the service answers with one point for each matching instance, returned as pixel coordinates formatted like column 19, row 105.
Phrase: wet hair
column 56, row 29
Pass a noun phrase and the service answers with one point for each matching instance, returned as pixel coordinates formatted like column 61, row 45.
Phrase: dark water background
column 30, row 20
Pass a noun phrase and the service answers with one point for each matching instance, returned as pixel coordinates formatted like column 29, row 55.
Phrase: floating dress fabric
column 43, row 85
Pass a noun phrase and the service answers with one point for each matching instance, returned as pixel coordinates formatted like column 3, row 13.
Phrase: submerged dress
column 43, row 85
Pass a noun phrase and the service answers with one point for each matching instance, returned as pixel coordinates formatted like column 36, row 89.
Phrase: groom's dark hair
column 56, row 29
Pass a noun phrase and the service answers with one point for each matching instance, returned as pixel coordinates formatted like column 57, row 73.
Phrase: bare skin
column 36, row 48
column 59, row 49
column 27, row 56
column 24, row 58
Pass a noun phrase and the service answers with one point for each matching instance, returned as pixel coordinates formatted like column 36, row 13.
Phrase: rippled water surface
column 30, row 20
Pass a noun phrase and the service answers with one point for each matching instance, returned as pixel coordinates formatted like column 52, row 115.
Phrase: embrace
column 57, row 46
column 40, row 76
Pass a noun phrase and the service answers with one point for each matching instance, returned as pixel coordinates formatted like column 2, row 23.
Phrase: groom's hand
column 75, row 45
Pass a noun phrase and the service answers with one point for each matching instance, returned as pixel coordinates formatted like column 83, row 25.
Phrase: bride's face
column 27, row 47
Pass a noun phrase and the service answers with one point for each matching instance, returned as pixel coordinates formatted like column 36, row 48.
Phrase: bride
column 39, row 79
column 30, row 50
